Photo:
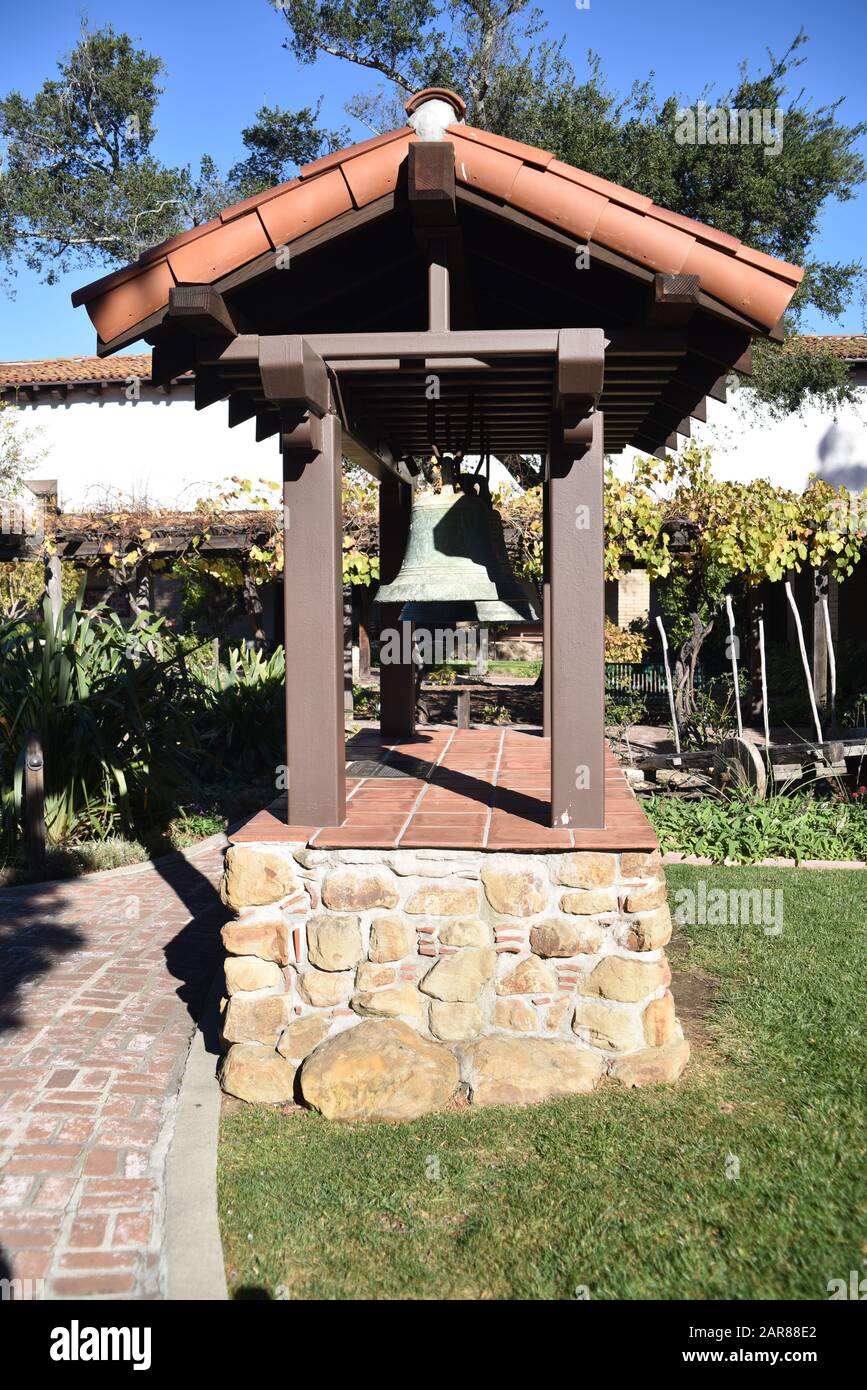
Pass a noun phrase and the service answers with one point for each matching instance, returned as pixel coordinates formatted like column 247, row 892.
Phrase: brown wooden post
column 396, row 679
column 34, row 805
column 576, row 673
column 313, row 582
column 820, row 637
column 546, row 611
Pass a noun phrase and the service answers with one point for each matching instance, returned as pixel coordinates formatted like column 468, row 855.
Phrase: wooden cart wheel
column 744, row 763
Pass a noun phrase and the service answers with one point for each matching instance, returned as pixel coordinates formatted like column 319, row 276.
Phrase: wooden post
column 313, row 581
column 463, row 709
column 546, row 610
column 396, row 679
column 820, row 637
column 34, row 805
column 576, row 671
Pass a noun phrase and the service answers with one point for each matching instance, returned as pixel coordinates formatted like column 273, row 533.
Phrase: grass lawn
column 626, row 1193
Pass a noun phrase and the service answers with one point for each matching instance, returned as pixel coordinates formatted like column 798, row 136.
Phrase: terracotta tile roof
column 517, row 175
column 78, row 371
column 74, row 370
column 851, row 346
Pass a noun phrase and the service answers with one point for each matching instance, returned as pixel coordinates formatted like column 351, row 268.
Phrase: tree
column 80, row 183
column 700, row 535
column 519, row 83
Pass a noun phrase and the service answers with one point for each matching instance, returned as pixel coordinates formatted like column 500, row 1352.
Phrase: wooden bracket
column 201, row 311
column 431, row 183
column 293, row 374
column 580, row 373
column 673, row 300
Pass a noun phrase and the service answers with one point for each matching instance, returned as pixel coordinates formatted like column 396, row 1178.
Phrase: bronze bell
column 456, row 567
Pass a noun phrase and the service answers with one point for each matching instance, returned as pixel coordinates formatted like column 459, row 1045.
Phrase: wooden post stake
column 34, row 805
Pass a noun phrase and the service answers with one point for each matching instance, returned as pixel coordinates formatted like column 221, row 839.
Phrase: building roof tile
column 504, row 170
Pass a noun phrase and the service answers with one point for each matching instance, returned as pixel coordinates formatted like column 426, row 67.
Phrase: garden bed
column 749, row 1170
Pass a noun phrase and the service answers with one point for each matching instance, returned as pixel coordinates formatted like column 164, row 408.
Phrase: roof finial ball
column 431, row 111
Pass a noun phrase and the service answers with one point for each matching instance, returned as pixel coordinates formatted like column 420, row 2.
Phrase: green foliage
column 79, row 183
column 129, row 723
column 738, row 828
column 277, row 143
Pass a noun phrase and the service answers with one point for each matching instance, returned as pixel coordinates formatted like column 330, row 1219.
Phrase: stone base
column 498, row 977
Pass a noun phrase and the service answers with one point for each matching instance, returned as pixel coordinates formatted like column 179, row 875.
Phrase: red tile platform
column 477, row 789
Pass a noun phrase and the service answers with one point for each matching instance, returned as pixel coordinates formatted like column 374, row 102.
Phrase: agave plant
column 111, row 712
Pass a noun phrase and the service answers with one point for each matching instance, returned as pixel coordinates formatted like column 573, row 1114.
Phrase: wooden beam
column 313, row 585
column 431, row 183
column 673, row 300
column 575, row 620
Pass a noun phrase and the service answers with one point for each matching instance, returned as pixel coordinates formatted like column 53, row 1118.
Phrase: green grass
column 623, row 1192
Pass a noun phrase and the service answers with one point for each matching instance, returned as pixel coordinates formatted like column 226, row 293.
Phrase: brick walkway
column 100, row 982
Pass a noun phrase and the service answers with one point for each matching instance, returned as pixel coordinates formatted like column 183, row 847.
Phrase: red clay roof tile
column 531, row 180
column 337, row 157
column 131, row 302
column 436, row 94
column 566, row 205
column 220, row 250
column 490, row 171
column 305, row 206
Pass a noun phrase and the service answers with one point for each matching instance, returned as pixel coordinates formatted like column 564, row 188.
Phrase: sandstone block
column 445, row 900
column 252, row 878
column 303, row 1035
column 612, row 1026
column 452, row 1022
column 516, row 889
column 469, row 931
column 460, row 978
column 586, row 869
column 333, row 943
column 391, row 938
column 324, row 990
column 649, row 931
column 378, row 1071
column 587, row 902
column 639, row 864
column 256, row 1073
column 616, row 977
column 562, row 936
column 249, row 972
column 372, row 976
column 652, row 1065
column 515, row 1014
column 522, row 1071
column 643, row 899
column 269, row 940
column 358, row 890
column 260, row 1018
column 660, row 1024
column 401, row 1001
column 559, row 1011
column 530, row 976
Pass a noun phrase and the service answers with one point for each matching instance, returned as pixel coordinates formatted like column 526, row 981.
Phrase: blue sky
column 224, row 59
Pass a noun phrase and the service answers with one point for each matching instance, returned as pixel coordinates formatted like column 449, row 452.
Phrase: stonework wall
column 383, row 983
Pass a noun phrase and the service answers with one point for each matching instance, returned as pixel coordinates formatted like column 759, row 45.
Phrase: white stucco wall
column 164, row 451
column 160, row 450
column 748, row 444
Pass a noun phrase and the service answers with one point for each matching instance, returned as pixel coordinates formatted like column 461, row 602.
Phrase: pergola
column 439, row 286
